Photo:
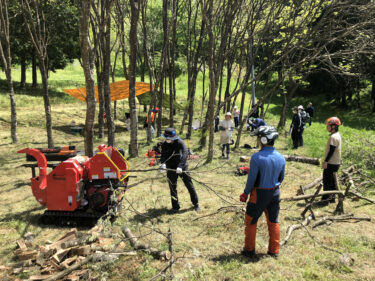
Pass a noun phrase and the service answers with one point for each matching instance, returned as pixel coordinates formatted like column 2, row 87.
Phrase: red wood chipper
column 78, row 190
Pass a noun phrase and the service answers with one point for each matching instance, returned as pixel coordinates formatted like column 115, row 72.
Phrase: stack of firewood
column 65, row 258
column 62, row 259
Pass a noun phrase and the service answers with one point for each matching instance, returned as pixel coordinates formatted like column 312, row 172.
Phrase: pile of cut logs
column 64, row 258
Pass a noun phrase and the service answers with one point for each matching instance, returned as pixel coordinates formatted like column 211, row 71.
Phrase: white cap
column 228, row 114
column 300, row 107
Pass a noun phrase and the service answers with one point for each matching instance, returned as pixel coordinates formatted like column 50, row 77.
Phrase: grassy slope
column 211, row 244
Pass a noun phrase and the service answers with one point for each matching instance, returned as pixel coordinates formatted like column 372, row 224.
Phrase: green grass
column 207, row 245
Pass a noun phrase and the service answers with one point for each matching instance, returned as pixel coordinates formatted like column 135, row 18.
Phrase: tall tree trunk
column 213, row 80
column 34, row 66
column 163, row 65
column 193, row 82
column 99, row 79
column 47, row 105
column 36, row 27
column 23, row 73
column 172, row 89
column 292, row 88
column 227, row 88
column 106, row 76
column 147, row 60
column 122, row 42
column 88, row 58
column 132, row 69
column 6, row 60
column 373, row 94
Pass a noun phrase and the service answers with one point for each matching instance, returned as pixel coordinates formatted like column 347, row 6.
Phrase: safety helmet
column 333, row 121
column 266, row 134
column 102, row 147
column 300, row 107
column 170, row 134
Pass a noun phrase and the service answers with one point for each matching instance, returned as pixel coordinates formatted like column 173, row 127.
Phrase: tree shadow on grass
column 227, row 258
column 15, row 186
column 156, row 213
column 26, row 216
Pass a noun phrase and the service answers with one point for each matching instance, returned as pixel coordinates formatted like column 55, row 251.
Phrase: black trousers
column 295, row 134
column 329, row 180
column 236, row 121
column 172, row 180
column 223, row 146
column 300, row 136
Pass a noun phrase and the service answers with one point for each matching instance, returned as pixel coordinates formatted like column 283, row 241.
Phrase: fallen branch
column 307, row 196
column 171, row 262
column 312, row 184
column 331, row 219
column 162, row 255
column 225, row 209
column 302, row 159
column 162, row 272
column 361, row 197
column 309, row 205
column 293, row 227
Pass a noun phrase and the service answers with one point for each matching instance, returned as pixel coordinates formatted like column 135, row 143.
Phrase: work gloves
column 178, row 170
column 162, row 168
column 243, row 197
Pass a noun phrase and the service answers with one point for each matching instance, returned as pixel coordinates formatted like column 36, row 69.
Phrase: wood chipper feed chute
column 108, row 163
column 79, row 187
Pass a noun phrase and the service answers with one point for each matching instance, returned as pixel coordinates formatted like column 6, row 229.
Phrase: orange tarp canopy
column 119, row 90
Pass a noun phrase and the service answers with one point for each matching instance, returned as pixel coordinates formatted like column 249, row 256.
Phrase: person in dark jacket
column 295, row 127
column 310, row 110
column 267, row 169
column 174, row 154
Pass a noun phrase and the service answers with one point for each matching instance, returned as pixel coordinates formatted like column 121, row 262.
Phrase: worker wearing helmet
column 174, row 154
column 332, row 158
column 267, row 168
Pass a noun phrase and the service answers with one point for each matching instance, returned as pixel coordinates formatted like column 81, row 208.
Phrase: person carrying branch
column 226, row 127
column 332, row 160
column 174, row 154
column 267, row 168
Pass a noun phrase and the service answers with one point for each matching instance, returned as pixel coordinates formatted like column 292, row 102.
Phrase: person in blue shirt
column 267, row 168
column 255, row 123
